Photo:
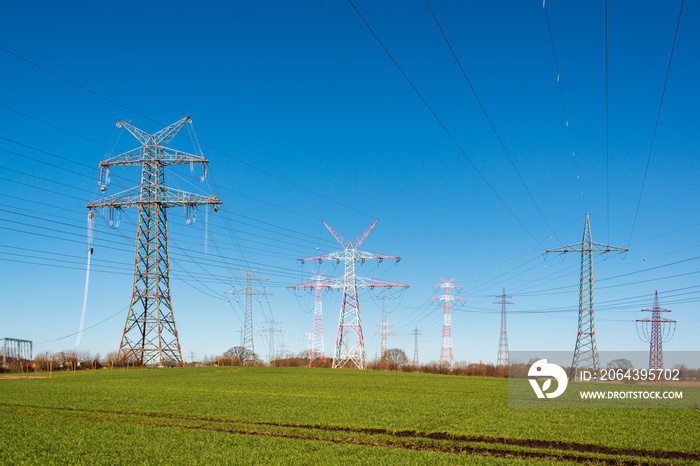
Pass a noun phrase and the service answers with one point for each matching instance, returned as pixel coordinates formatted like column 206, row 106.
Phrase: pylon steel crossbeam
column 586, row 350
column 150, row 335
column 446, row 354
column 660, row 329
column 503, row 353
column 350, row 344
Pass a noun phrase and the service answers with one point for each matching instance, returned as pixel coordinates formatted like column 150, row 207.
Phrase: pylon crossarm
column 161, row 138
column 603, row 248
column 360, row 256
column 365, row 255
column 362, row 236
column 167, row 197
column 447, row 298
column 340, row 238
column 325, row 283
column 589, row 247
column 370, row 283
column 142, row 136
column 165, row 135
column 249, row 292
column 165, row 156
column 127, row 198
column 335, row 256
column 576, row 247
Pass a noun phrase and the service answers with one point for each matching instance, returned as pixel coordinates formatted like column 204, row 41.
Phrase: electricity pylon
column 660, row 330
column 446, row 354
column 349, row 343
column 415, row 332
column 586, row 351
column 384, row 323
column 503, row 354
column 249, row 292
column 317, row 349
column 272, row 328
column 150, row 335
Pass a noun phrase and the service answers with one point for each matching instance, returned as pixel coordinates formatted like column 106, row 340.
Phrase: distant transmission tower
column 349, row 343
column 446, row 355
column 249, row 292
column 415, row 333
column 272, row 328
column 150, row 335
column 317, row 348
column 503, row 354
column 384, row 323
column 586, row 351
column 660, row 330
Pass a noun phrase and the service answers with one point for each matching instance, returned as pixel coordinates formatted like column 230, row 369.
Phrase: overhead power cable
column 656, row 124
column 607, row 126
column 493, row 128
column 566, row 114
column 442, row 125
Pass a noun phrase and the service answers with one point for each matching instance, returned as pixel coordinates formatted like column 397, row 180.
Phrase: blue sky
column 304, row 118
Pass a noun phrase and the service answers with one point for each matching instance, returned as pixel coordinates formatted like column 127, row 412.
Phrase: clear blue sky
column 304, row 118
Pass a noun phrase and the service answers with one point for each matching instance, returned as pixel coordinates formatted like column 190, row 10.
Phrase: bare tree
column 621, row 363
column 239, row 355
column 396, row 356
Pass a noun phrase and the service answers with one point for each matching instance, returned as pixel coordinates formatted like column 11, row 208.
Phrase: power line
column 442, row 125
column 563, row 102
column 656, row 124
column 607, row 150
column 493, row 128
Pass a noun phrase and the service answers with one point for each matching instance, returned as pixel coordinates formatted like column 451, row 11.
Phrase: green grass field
column 242, row 415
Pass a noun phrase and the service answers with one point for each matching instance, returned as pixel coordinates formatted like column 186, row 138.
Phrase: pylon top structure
column 350, row 344
column 150, row 335
column 317, row 348
column 503, row 353
column 660, row 329
column 586, row 350
column 248, row 277
column 446, row 354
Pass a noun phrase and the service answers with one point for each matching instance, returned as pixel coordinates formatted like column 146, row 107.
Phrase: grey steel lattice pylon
column 415, row 333
column 272, row 328
column 150, row 335
column 249, row 292
column 350, row 343
column 586, row 350
column 503, row 353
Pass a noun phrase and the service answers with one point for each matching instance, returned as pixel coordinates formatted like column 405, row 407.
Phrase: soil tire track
column 565, row 447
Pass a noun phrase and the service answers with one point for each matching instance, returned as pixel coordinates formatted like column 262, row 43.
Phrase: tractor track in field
column 407, row 439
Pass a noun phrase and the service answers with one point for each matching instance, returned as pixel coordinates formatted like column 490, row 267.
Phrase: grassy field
column 242, row 415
